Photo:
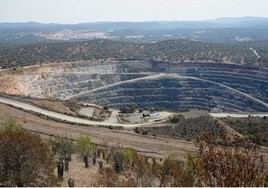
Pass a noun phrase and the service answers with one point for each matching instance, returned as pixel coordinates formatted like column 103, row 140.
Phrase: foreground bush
column 24, row 159
column 227, row 162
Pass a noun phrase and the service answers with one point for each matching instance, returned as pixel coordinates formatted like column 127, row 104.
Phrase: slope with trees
column 25, row 160
column 170, row 50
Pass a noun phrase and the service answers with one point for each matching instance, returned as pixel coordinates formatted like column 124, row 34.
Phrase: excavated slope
column 215, row 87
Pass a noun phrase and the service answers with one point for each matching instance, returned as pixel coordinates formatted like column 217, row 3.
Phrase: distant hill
column 242, row 29
column 234, row 22
column 170, row 50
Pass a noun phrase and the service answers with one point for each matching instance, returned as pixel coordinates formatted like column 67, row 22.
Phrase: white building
column 154, row 116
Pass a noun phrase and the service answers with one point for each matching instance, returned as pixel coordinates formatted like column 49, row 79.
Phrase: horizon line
column 127, row 21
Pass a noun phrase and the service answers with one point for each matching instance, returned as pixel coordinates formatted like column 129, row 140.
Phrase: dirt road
column 147, row 145
column 220, row 115
column 67, row 118
column 71, row 119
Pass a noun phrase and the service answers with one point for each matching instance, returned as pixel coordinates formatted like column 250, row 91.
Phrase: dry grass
column 52, row 105
column 83, row 177
column 157, row 147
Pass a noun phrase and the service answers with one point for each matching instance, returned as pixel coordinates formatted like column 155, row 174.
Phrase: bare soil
column 56, row 106
column 83, row 177
column 146, row 145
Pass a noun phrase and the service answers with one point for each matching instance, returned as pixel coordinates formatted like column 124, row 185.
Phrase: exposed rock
column 207, row 86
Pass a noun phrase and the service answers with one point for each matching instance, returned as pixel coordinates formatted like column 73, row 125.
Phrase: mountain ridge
column 223, row 22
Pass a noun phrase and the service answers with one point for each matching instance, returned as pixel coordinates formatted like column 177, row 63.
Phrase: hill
column 171, row 50
column 237, row 29
column 224, row 22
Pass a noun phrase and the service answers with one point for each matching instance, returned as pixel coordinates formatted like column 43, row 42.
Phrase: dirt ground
column 87, row 111
column 81, row 175
column 146, row 145
column 52, row 105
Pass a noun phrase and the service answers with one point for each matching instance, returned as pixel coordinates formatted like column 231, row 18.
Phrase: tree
column 127, row 109
column 227, row 162
column 64, row 150
column 118, row 161
column 142, row 172
column 84, row 147
column 176, row 118
column 136, row 167
column 84, row 144
column 24, row 159
column 130, row 156
column 183, row 176
column 105, row 108
column 166, row 171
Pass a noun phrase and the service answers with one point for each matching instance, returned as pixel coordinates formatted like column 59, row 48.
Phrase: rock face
column 210, row 86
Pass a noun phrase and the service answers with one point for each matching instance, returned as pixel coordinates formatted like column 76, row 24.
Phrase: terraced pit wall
column 210, row 86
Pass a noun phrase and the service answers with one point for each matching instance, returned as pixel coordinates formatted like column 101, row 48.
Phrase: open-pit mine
column 144, row 84
column 168, row 104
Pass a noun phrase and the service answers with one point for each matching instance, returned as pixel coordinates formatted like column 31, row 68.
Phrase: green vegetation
column 144, row 171
column 182, row 128
column 25, row 160
column 84, row 147
column 171, row 50
column 63, row 149
column 84, row 144
column 176, row 118
column 118, row 161
column 220, row 161
column 254, row 129
column 127, row 110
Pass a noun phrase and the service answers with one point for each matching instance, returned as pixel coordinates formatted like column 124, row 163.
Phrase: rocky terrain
column 170, row 86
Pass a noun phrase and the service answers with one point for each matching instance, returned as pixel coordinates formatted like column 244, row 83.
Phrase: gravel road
column 71, row 119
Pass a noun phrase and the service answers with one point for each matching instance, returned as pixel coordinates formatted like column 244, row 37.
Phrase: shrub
column 227, row 162
column 176, row 118
column 24, row 159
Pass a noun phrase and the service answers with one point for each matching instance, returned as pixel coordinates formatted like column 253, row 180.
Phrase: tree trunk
column 66, row 165
column 70, row 158
column 19, row 184
column 60, row 170
column 94, row 158
column 71, row 182
column 100, row 165
column 86, row 161
column 107, row 158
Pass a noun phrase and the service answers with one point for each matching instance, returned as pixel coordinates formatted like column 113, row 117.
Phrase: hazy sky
column 75, row 11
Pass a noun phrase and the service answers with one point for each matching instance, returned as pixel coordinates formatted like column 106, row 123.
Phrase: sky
column 77, row 11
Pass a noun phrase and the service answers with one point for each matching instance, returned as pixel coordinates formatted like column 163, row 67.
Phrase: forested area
column 170, row 50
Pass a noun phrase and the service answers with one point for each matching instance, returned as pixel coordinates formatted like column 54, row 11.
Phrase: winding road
column 70, row 119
